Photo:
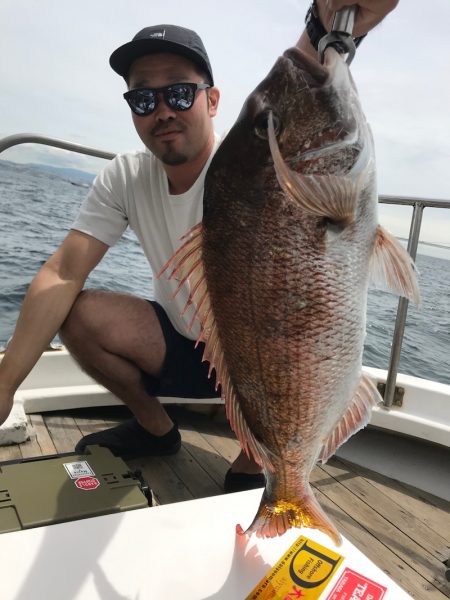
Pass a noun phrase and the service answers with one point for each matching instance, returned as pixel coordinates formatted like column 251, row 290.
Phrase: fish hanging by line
column 278, row 273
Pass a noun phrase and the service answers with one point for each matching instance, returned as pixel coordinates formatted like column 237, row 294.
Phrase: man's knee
column 80, row 320
column 118, row 323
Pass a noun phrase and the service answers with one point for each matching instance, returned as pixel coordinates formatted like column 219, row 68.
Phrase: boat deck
column 405, row 531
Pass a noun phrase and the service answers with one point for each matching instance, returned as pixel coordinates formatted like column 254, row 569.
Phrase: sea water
column 38, row 207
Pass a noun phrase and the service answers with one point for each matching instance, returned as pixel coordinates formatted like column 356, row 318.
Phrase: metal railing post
column 34, row 138
column 397, row 338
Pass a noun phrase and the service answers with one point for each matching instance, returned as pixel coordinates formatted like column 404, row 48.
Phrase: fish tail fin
column 275, row 518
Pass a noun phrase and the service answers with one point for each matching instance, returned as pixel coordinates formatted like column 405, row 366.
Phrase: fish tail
column 275, row 518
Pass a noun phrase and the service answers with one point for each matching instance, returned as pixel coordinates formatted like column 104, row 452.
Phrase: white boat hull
column 57, row 383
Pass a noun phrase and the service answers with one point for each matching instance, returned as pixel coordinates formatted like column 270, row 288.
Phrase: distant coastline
column 446, row 247
column 84, row 179
column 70, row 174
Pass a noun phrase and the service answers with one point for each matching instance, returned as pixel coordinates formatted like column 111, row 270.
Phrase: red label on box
column 353, row 586
column 87, row 483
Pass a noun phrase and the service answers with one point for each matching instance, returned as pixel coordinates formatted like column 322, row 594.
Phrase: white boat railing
column 35, row 138
column 418, row 205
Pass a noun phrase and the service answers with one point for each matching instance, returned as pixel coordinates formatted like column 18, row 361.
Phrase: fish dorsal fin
column 332, row 196
column 355, row 418
column 187, row 267
column 392, row 268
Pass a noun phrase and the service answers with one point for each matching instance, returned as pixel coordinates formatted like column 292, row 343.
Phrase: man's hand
column 369, row 13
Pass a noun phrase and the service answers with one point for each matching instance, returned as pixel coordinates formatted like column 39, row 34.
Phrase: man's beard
column 173, row 158
column 169, row 156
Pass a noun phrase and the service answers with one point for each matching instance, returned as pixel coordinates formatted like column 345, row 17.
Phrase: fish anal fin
column 251, row 446
column 187, row 266
column 275, row 518
column 355, row 418
column 392, row 268
column 331, row 196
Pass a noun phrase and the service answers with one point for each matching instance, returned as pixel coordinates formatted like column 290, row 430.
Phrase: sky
column 56, row 81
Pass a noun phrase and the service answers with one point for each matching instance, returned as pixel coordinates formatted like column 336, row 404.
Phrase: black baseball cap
column 161, row 38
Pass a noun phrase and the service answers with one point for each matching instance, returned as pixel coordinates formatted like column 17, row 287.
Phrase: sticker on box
column 87, row 483
column 78, row 469
column 302, row 572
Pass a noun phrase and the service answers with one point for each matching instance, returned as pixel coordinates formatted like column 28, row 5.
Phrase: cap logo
column 158, row 34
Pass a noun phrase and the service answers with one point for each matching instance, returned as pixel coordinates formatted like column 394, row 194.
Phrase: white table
column 187, row 551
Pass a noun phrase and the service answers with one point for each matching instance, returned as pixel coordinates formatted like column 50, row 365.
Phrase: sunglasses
column 178, row 96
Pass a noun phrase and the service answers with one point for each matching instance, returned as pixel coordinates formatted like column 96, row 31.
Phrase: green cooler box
column 52, row 489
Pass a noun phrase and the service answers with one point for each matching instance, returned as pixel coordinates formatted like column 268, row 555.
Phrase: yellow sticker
column 303, row 572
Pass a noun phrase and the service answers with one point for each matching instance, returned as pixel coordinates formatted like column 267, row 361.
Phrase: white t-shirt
column 133, row 190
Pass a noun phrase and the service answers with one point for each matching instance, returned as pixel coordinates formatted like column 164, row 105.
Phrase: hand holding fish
column 369, row 13
column 320, row 18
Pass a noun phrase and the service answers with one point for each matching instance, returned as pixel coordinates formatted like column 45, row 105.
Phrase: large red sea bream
column 279, row 271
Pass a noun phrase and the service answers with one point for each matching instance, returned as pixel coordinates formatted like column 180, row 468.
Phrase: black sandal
column 239, row 482
column 131, row 440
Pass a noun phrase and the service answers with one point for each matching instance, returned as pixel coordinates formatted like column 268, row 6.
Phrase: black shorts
column 183, row 374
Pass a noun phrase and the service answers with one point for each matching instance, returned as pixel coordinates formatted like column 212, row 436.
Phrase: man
column 139, row 349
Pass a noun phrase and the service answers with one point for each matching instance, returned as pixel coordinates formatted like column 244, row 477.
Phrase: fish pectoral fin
column 330, row 196
column 187, row 268
column 274, row 518
column 392, row 268
column 355, row 418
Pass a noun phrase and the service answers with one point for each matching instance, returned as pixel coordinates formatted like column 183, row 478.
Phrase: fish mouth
column 316, row 75
column 331, row 139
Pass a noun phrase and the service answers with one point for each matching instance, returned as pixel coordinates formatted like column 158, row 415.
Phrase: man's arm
column 46, row 305
column 369, row 14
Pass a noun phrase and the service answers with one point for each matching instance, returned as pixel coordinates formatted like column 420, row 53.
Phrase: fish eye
column 333, row 228
column 334, row 225
column 261, row 124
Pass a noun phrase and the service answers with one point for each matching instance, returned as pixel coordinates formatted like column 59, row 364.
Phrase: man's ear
column 213, row 100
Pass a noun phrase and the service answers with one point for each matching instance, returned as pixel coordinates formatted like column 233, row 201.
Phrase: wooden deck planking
column 192, row 473
column 398, row 515
column 402, row 530
column 402, row 572
column 40, row 442
column 90, row 424
column 217, row 434
column 10, row 453
column 63, row 431
column 205, row 454
column 392, row 539
column 166, row 486
column 433, row 511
